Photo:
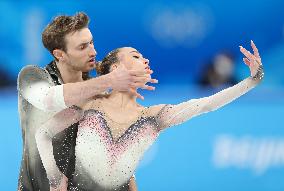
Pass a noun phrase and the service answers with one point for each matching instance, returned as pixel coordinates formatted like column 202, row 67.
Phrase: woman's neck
column 68, row 74
column 122, row 99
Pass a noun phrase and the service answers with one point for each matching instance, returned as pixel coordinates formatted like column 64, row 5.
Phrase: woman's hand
column 253, row 61
column 132, row 184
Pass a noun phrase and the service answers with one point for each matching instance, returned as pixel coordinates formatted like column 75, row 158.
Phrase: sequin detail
column 111, row 162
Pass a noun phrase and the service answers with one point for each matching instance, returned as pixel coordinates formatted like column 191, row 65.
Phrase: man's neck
column 68, row 74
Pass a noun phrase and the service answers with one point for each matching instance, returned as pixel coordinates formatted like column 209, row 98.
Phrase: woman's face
column 132, row 59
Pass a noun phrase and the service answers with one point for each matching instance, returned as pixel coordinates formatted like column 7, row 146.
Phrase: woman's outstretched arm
column 44, row 135
column 170, row 115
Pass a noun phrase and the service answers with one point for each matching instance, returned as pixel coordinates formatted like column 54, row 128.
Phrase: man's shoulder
column 32, row 70
column 31, row 74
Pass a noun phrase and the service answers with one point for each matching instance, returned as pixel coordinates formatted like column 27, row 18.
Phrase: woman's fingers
column 253, row 61
column 246, row 61
column 247, row 54
column 252, row 57
column 255, row 50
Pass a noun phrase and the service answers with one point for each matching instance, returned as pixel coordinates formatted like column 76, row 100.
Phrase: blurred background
column 193, row 48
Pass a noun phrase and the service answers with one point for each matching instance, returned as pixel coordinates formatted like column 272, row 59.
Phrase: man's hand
column 62, row 186
column 129, row 80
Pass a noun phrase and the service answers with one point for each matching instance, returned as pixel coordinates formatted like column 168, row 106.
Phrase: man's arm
column 36, row 87
column 120, row 79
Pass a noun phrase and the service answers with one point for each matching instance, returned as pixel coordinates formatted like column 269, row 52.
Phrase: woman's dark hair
column 103, row 67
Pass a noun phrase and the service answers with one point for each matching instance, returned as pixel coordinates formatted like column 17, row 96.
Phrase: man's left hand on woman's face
column 146, row 67
column 147, row 77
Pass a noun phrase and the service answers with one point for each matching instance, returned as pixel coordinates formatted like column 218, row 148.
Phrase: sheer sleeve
column 170, row 115
column 44, row 135
column 35, row 85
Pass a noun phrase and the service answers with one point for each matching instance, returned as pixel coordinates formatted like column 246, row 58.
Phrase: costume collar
column 56, row 76
column 54, row 73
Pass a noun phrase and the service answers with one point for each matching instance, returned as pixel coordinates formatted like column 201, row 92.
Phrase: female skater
column 115, row 131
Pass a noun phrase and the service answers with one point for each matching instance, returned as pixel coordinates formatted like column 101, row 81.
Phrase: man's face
column 80, row 52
